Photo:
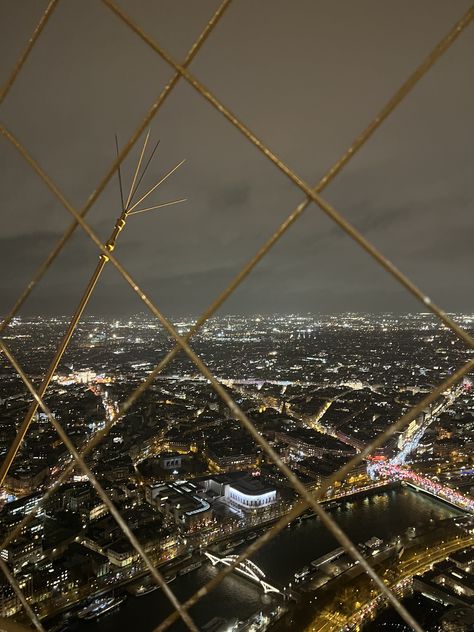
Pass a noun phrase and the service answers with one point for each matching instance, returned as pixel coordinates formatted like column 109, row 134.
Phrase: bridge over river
column 248, row 569
column 426, row 485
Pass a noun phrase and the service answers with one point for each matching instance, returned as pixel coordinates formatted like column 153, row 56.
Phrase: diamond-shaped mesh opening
column 80, row 453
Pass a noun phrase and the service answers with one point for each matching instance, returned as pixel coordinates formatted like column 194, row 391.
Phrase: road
column 417, row 564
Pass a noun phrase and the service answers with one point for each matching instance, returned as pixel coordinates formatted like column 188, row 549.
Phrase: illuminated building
column 26, row 479
column 171, row 461
column 244, row 493
column 308, row 443
column 244, row 496
column 21, row 551
column 180, row 502
column 121, row 553
column 448, row 583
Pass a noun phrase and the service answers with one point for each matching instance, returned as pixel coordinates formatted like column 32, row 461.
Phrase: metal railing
column 311, row 195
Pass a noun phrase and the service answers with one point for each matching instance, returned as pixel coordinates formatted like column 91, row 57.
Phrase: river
column 382, row 514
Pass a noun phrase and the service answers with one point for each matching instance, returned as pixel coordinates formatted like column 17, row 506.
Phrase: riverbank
column 168, row 566
column 382, row 513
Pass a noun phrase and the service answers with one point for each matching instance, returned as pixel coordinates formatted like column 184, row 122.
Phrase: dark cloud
column 306, row 78
column 230, row 198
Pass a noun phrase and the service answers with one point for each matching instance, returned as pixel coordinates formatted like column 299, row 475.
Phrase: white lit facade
column 249, row 501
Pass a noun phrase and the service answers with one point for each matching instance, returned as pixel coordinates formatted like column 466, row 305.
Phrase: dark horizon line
column 145, row 315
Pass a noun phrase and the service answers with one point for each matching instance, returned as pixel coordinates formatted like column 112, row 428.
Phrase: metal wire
column 99, row 489
column 281, row 524
column 236, row 411
column 233, row 407
column 404, row 89
column 19, row 593
column 311, row 195
column 329, row 481
column 71, row 328
column 28, row 48
column 93, row 197
column 293, row 177
column 335, row 529
column 45, row 265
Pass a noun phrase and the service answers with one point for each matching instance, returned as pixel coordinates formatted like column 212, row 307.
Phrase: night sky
column 306, row 76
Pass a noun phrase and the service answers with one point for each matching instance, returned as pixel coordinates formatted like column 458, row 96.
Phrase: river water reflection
column 382, row 514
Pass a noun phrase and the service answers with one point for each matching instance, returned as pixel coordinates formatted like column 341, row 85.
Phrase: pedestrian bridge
column 246, row 568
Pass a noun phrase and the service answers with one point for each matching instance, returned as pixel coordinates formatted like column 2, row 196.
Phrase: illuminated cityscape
column 195, row 488
column 236, row 318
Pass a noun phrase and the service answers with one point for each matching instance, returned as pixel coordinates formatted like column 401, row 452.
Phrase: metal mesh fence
column 311, row 195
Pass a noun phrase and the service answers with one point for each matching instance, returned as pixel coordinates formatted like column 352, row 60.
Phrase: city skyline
column 196, row 488
column 278, row 409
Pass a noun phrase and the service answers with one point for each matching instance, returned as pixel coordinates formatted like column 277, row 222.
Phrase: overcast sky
column 306, row 76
